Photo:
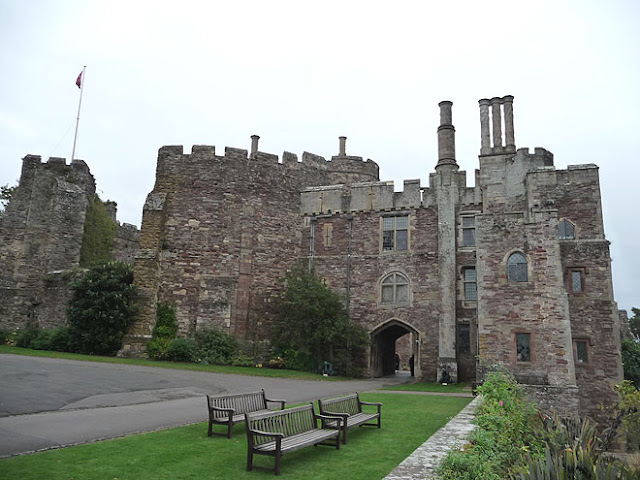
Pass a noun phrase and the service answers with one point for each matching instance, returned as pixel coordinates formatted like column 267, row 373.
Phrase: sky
column 300, row 74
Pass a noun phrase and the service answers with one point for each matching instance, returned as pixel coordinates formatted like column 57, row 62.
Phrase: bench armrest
column 218, row 409
column 337, row 418
column 336, row 414
column 266, row 434
column 273, row 400
column 375, row 404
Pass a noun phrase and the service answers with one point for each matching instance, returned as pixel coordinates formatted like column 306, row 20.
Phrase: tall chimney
column 497, row 122
column 254, row 145
column 446, row 136
column 485, row 133
column 343, row 146
column 510, row 142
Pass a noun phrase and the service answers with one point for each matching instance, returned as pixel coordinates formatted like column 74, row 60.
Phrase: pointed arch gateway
column 383, row 346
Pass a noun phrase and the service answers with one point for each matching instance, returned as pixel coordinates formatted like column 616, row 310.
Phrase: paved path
column 48, row 403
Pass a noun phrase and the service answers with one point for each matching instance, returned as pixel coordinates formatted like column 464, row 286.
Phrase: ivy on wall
column 99, row 234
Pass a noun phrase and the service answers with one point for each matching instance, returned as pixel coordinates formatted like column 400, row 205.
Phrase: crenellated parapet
column 341, row 168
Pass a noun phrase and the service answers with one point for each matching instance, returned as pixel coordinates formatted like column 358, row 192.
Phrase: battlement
column 31, row 162
column 360, row 197
column 342, row 167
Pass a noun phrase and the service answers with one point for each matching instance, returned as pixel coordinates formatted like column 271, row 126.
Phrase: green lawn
column 431, row 387
column 260, row 372
column 187, row 452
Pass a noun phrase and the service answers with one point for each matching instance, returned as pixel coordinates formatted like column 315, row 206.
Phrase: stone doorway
column 384, row 356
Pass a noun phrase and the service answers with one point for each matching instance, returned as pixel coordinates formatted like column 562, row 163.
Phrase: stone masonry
column 41, row 235
column 512, row 271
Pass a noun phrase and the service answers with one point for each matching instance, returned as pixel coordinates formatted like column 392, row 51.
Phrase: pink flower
column 500, row 402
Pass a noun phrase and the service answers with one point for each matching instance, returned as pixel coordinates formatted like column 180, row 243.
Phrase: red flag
column 79, row 80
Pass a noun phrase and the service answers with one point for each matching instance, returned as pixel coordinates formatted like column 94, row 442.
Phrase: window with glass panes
column 581, row 351
column 470, row 285
column 566, row 230
column 464, row 338
column 395, row 233
column 523, row 347
column 395, row 289
column 468, row 231
column 517, row 268
column 577, row 281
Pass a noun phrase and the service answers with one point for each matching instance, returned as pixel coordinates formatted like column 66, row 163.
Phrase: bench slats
column 230, row 409
column 349, row 407
column 278, row 432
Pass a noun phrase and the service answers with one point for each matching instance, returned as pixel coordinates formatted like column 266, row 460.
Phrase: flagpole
column 75, row 136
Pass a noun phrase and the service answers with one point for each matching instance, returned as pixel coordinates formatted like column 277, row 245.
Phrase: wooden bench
column 275, row 433
column 349, row 407
column 230, row 409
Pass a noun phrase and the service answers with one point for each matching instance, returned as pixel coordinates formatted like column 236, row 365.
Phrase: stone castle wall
column 220, row 231
column 41, row 232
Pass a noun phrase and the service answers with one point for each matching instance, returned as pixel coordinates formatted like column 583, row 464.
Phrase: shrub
column 24, row 337
column 5, row 335
column 242, row 361
column 182, row 350
column 629, row 407
column 631, row 361
column 216, row 347
column 163, row 333
column 100, row 309
column 506, row 432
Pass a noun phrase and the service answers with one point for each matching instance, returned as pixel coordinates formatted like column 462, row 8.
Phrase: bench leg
column 210, row 429
column 229, row 428
column 249, row 460
column 278, row 463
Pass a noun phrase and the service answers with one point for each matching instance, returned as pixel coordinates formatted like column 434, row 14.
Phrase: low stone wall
column 423, row 462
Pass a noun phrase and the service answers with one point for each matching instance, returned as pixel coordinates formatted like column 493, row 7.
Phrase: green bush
column 24, row 338
column 216, row 347
column 507, row 423
column 629, row 407
column 55, row 339
column 631, row 361
column 182, row 350
column 242, row 361
column 100, row 309
column 164, row 332
column 5, row 335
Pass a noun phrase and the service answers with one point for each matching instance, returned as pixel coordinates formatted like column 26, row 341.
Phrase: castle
column 514, row 270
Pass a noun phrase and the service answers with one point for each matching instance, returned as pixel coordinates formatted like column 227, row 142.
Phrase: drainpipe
column 312, row 237
column 350, row 233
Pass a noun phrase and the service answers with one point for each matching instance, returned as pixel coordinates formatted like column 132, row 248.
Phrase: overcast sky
column 300, row 74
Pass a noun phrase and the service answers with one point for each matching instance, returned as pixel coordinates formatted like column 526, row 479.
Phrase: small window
column 523, row 347
column 577, row 281
column 395, row 233
column 517, row 268
column 395, row 289
column 468, row 231
column 464, row 338
column 327, row 234
column 566, row 230
column 581, row 351
column 470, row 285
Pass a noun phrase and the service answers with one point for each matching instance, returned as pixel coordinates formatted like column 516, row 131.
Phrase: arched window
column 566, row 230
column 395, row 289
column 517, row 268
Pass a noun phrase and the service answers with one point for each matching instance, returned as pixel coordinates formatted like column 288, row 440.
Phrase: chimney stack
column 500, row 108
column 254, row 146
column 343, row 146
column 446, row 136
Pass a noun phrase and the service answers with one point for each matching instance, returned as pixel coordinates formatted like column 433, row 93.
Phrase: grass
column 260, row 372
column 187, row 452
column 431, row 387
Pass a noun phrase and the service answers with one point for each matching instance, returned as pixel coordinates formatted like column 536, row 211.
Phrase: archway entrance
column 384, row 359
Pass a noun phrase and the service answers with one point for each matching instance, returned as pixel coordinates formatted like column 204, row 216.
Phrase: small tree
column 6, row 192
column 312, row 325
column 100, row 309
